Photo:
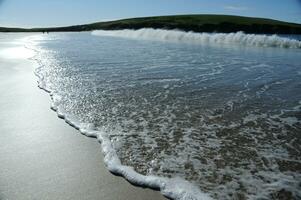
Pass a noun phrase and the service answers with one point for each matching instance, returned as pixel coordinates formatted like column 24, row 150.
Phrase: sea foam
column 238, row 38
column 173, row 188
column 56, row 76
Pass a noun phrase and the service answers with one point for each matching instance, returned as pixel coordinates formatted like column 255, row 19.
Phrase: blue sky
column 43, row 13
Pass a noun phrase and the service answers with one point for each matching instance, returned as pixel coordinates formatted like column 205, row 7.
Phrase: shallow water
column 226, row 117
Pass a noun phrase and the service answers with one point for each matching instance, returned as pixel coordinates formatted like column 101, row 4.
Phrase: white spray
column 238, row 38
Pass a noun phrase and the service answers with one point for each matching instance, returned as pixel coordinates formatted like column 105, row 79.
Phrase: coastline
column 41, row 156
column 210, row 23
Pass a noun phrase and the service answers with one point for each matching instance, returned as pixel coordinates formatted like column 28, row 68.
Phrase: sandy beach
column 41, row 157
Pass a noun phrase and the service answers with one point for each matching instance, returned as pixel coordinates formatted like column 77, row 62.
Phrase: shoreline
column 171, row 188
column 41, row 157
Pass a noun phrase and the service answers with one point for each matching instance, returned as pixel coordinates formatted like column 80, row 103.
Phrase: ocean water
column 198, row 116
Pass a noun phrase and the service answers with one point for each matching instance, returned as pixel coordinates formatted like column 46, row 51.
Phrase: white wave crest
column 239, row 38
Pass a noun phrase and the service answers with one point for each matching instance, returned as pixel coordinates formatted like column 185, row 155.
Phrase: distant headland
column 196, row 23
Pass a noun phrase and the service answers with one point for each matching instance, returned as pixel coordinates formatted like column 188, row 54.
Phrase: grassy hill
column 197, row 23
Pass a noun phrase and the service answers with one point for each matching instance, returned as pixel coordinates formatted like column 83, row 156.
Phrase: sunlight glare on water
column 17, row 53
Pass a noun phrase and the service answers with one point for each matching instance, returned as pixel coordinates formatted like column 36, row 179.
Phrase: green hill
column 197, row 23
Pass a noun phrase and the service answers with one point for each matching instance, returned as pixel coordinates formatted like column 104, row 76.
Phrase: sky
column 46, row 13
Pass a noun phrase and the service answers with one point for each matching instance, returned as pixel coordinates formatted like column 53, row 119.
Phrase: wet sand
column 41, row 157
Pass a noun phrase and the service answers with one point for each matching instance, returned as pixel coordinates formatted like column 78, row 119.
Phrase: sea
column 195, row 115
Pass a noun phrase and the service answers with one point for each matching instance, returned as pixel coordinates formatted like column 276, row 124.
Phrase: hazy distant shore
column 196, row 23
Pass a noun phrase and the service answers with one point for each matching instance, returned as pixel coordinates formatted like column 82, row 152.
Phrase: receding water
column 226, row 117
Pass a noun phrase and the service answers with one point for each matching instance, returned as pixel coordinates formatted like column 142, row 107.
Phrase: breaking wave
column 239, row 38
column 194, row 123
